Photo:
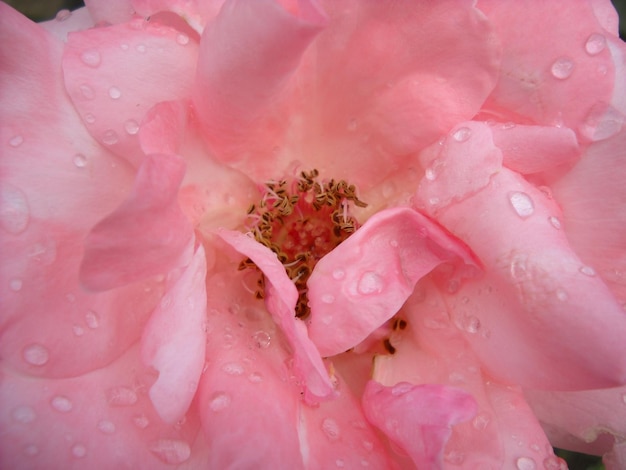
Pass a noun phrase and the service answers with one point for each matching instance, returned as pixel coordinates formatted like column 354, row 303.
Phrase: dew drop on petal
column 106, row 427
column 15, row 285
column 171, row 451
column 262, row 339
column 370, row 283
column 525, row 463
column 233, row 368
column 480, row 421
column 182, row 39
column 87, row 92
column 255, row 378
column 588, row 271
column 14, row 209
column 121, row 396
column 24, row 414
column 131, row 127
column 555, row 222
column 91, row 58
column 462, row 134
column 561, row 295
column 36, row 355
column 79, row 451
column 16, row 141
column 562, row 68
column 554, row 463
column 328, row 298
column 219, row 401
column 63, row 15
column 92, row 319
column 595, row 44
column 141, row 421
column 115, row 93
column 79, row 160
column 78, row 330
column 110, row 137
column 141, row 48
column 339, row 274
column 90, row 118
column 522, row 204
column 471, row 324
column 62, row 403
column 331, row 429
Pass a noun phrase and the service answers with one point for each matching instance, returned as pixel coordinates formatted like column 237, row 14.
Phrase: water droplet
column 327, row 319
column 562, row 68
column 63, row 15
column 433, row 170
column 233, row 368
column 78, row 330
column 554, row 463
column 471, row 324
column 16, row 141
column 87, row 92
column 588, row 271
column 518, row 268
column 370, row 283
column 121, row 396
column 368, row 445
column 131, row 126
column 462, row 134
column 262, row 339
column 90, row 118
column 15, row 285
column 79, row 451
column 602, row 122
column 561, row 295
column 433, row 201
column 331, row 429
column 255, row 378
column 182, row 39
column 124, row 46
column 522, row 204
column 36, row 355
column 453, row 457
column 480, row 421
column 92, row 319
column 79, row 160
column 106, row 427
column 525, row 463
column 171, row 451
column 115, row 93
column 339, row 274
column 14, row 210
column 219, row 401
column 141, row 421
column 31, row 449
column 24, row 414
column 110, row 137
column 401, row 389
column 453, row 286
column 62, row 403
column 91, row 57
column 555, row 222
column 595, row 44
column 141, row 48
column 328, row 298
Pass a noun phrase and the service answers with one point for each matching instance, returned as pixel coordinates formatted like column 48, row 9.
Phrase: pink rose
column 432, row 274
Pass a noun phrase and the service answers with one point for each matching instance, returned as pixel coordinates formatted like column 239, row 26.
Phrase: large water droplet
column 462, row 134
column 131, row 127
column 24, row 414
column 121, row 396
column 115, row 93
column 219, row 401
column 182, row 39
column 602, row 122
column 14, row 210
column 79, row 451
column 331, row 429
column 233, row 368
column 525, row 463
column 171, row 451
column 595, row 44
column 91, row 57
column 262, row 339
column 562, row 68
column 36, row 354
column 522, row 204
column 79, row 160
column 370, row 283
column 62, row 403
column 92, row 319
column 106, row 427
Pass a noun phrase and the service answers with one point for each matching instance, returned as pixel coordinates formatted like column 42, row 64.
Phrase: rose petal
column 147, row 235
column 173, row 341
column 417, row 418
column 196, row 12
column 156, row 67
column 281, row 297
column 363, row 282
column 111, row 11
column 67, row 21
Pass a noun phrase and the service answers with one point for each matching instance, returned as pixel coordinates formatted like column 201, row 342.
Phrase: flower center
column 301, row 221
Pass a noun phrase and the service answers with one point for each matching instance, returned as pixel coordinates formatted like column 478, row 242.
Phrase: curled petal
column 364, row 281
column 418, row 418
column 147, row 235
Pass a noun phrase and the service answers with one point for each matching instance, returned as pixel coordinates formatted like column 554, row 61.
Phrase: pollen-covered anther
column 301, row 221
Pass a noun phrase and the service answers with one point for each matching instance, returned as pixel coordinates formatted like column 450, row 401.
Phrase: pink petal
column 157, row 64
column 281, row 297
column 147, row 235
column 56, row 183
column 364, row 281
column 532, row 271
column 418, row 418
column 233, row 93
column 540, row 73
column 173, row 341
column 111, row 11
column 67, row 22
column 196, row 12
column 248, row 400
column 98, row 420
column 163, row 128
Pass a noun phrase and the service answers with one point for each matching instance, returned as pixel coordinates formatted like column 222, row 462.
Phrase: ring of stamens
column 301, row 221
